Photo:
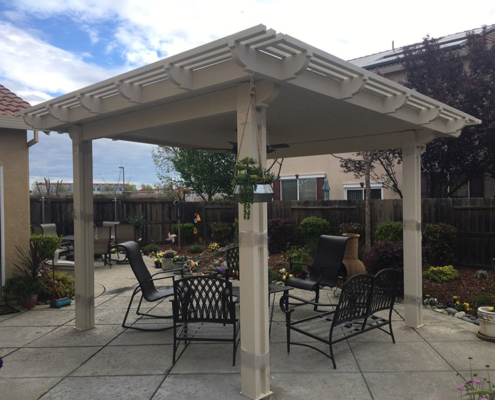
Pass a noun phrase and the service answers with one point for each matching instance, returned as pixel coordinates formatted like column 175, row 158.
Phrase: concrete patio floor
column 45, row 357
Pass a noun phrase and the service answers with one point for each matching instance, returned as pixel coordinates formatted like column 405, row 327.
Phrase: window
column 302, row 188
column 354, row 191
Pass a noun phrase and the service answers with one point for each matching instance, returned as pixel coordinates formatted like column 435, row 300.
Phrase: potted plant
column 27, row 284
column 252, row 184
column 168, row 259
column 486, row 316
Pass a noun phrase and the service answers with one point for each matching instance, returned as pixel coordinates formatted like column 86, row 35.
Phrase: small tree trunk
column 368, row 158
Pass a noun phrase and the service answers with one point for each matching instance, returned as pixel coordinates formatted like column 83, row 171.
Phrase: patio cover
column 309, row 99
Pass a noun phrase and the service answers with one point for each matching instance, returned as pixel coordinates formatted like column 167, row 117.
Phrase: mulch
column 466, row 287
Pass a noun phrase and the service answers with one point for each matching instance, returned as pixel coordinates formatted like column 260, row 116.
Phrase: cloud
column 38, row 67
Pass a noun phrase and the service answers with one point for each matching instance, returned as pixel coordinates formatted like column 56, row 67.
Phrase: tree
column 108, row 188
column 204, row 172
column 449, row 163
column 129, row 188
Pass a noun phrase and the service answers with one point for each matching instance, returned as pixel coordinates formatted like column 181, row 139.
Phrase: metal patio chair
column 326, row 268
column 204, row 310
column 146, row 285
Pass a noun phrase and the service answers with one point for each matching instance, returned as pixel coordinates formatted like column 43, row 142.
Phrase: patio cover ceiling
column 318, row 104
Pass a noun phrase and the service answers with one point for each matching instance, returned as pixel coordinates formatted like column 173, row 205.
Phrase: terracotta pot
column 487, row 324
column 30, row 303
column 352, row 263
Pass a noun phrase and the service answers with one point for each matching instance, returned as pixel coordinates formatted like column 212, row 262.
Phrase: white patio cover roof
column 318, row 103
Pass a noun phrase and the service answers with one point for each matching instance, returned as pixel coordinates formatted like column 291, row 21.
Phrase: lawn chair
column 146, row 285
column 49, row 229
column 326, row 268
column 102, row 244
column 124, row 233
column 203, row 310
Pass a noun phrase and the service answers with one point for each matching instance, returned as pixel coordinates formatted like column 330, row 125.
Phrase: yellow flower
column 156, row 259
column 454, row 297
column 285, row 276
column 457, row 303
column 427, row 295
column 291, row 276
column 491, row 308
column 466, row 304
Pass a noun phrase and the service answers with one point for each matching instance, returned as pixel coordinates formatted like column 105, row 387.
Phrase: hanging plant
column 249, row 179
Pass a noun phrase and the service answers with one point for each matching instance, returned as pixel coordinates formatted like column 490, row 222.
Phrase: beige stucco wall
column 330, row 166
column 14, row 159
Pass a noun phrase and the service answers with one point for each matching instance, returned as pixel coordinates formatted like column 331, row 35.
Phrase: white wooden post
column 411, row 204
column 82, row 154
column 253, row 258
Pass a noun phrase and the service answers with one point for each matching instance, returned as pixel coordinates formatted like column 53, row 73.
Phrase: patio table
column 273, row 289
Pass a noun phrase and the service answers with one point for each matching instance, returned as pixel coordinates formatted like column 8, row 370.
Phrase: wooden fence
column 473, row 218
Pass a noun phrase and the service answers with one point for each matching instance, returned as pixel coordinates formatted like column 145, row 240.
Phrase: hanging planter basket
column 263, row 193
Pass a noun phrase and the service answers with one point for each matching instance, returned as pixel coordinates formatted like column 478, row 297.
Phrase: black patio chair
column 204, row 310
column 146, row 285
column 326, row 267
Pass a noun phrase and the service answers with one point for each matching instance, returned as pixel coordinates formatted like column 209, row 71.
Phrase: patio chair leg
column 129, row 307
column 391, row 331
column 332, row 357
column 317, row 297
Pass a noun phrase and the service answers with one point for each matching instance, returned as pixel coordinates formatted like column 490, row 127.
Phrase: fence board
column 473, row 218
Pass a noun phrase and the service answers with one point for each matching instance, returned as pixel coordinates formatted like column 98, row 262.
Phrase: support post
column 253, row 258
column 82, row 154
column 411, row 204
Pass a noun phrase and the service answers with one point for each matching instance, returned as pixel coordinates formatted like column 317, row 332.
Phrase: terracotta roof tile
column 10, row 103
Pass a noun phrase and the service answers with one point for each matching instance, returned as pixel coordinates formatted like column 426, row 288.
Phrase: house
column 302, row 178
column 14, row 181
column 65, row 188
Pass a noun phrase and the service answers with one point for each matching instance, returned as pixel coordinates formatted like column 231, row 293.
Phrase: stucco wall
column 15, row 163
column 329, row 165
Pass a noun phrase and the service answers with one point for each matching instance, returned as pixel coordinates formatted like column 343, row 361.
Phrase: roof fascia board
column 13, row 122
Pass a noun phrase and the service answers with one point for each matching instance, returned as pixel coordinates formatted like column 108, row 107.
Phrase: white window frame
column 357, row 186
column 293, row 177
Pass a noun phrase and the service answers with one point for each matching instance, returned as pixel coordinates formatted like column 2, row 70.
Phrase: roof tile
column 10, row 103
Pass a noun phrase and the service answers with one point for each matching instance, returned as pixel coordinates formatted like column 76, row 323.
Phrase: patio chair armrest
column 313, row 303
column 284, row 305
column 167, row 271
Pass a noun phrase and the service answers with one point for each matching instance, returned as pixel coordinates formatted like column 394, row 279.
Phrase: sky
column 52, row 47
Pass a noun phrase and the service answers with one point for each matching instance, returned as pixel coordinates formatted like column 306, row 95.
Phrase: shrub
column 64, row 284
column 439, row 243
column 46, row 245
column 441, row 274
column 384, row 255
column 221, row 232
column 389, row 232
column 196, row 248
column 187, row 231
column 20, row 286
column 313, row 227
column 299, row 258
column 483, row 299
column 281, row 234
column 351, row 227
column 136, row 220
column 152, row 248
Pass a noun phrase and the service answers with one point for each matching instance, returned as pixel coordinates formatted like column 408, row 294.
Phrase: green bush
column 46, row 245
column 483, row 299
column 187, row 231
column 221, row 232
column 64, row 284
column 314, row 227
column 439, row 243
column 196, row 248
column 389, row 232
column 441, row 274
column 152, row 248
column 351, row 227
column 136, row 220
column 20, row 286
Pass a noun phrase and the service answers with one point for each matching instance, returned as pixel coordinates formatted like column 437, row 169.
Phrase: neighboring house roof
column 395, row 56
column 10, row 103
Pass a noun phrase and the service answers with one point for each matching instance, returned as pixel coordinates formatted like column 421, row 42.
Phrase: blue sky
column 52, row 47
